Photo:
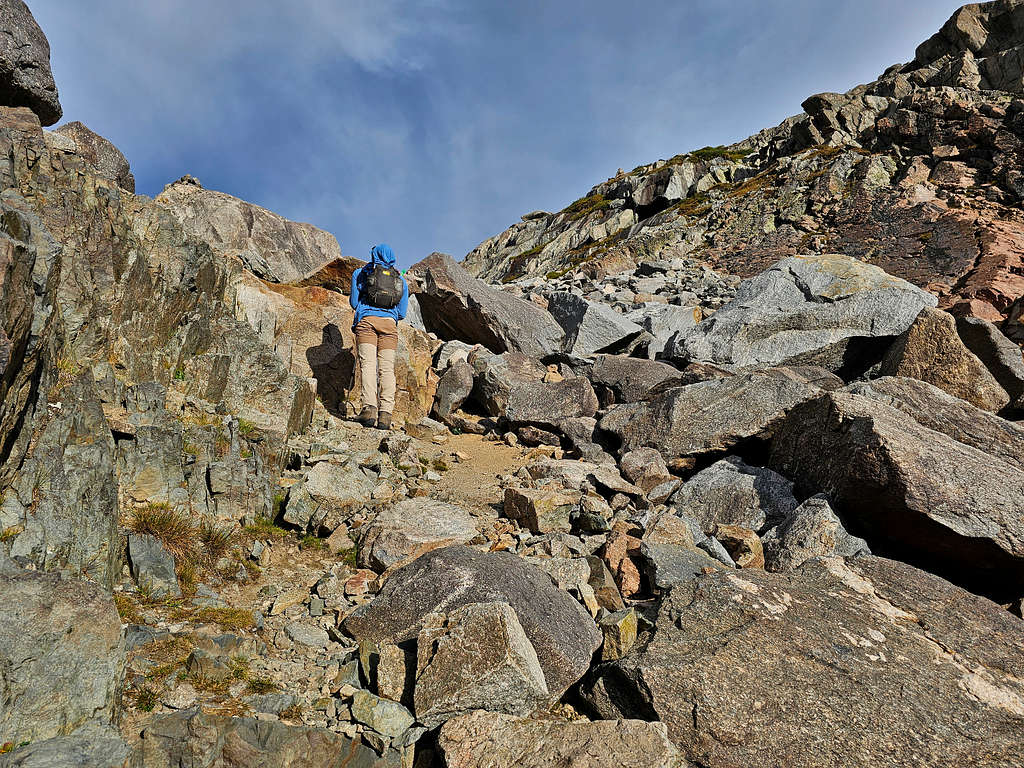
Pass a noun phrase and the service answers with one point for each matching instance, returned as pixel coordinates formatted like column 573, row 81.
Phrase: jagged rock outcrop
column 97, row 152
column 25, row 76
column 721, row 670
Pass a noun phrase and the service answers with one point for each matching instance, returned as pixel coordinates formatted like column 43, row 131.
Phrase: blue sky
column 433, row 125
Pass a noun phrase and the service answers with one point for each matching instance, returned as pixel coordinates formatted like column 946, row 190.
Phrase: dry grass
column 294, row 712
column 261, row 685
column 127, row 609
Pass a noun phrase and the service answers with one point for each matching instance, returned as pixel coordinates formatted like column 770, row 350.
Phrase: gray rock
column 453, row 389
column 590, row 327
column 456, row 305
column 502, row 741
column 811, row 530
column 327, row 494
column 386, row 717
column 721, row 660
column 476, row 657
column 716, row 550
column 931, row 350
column 645, row 468
column 405, row 530
column 663, row 321
column 804, row 309
column 497, row 374
column 269, row 245
column 272, row 703
column 198, row 740
column 99, row 153
column 548, row 404
column 61, row 656
column 666, row 565
column 710, row 416
column 152, row 566
column 93, row 745
column 541, row 510
column 1001, row 356
column 731, row 492
column 307, row 634
column 908, row 489
column 25, row 76
column 563, row 635
column 630, row 379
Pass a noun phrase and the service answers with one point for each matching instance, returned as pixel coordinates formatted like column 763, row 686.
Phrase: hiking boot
column 367, row 416
column 384, row 420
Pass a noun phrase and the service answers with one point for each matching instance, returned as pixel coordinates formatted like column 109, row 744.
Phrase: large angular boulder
column 405, row 530
column 909, row 490
column 630, row 379
column 710, row 416
column 25, row 76
column 61, row 655
column 268, row 245
column 590, row 327
column 732, row 492
column 327, row 494
column 503, row 741
column 199, row 740
column 476, row 657
column 97, row 152
column 1001, row 356
column 563, row 635
column 756, row 668
column 496, row 375
column 805, row 309
column 931, row 350
column 453, row 389
column 456, row 305
column 94, row 745
column 811, row 530
column 152, row 566
column 546, row 404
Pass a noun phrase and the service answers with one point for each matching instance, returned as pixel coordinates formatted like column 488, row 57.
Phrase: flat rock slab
column 910, row 490
column 563, row 635
column 754, row 668
column 411, row 527
column 629, row 379
column 487, row 740
column 803, row 309
column 94, row 745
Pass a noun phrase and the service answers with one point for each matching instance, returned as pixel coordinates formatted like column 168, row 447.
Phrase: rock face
column 193, row 738
column 710, row 416
column 98, row 153
column 908, row 489
column 411, row 527
column 804, row 310
column 562, row 634
column 629, row 379
column 486, row 740
column 456, row 305
column 61, row 656
column 25, row 76
column 931, row 350
column 755, row 668
column 270, row 246
column 476, row 657
column 327, row 495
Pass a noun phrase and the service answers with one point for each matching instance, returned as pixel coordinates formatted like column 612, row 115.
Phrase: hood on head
column 382, row 254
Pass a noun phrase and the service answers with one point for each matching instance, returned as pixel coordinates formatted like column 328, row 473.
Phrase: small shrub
column 179, row 373
column 311, row 542
column 239, row 666
column 265, row 528
column 294, row 712
column 144, row 698
column 247, row 428
column 174, row 529
column 710, row 153
column 9, row 533
column 261, row 685
column 586, row 205
column 348, row 557
column 208, row 684
column 440, row 465
column 216, row 541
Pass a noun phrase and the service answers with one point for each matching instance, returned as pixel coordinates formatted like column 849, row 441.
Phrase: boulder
column 326, row 495
column 909, row 490
column 268, row 245
column 590, row 327
column 630, row 379
column 456, row 305
column 708, row 417
column 563, row 635
column 541, row 510
column 930, row 407
column 453, row 389
column 152, row 566
column 386, row 717
column 757, row 668
column 481, row 739
column 742, row 544
column 645, row 468
column 94, row 745
column 931, row 350
column 665, row 565
column 810, row 530
column 817, row 309
column 199, row 740
column 548, row 404
column 406, row 530
column 25, row 76
column 731, row 491
column 1001, row 356
column 476, row 657
column 61, row 656
column 497, row 374
column 99, row 153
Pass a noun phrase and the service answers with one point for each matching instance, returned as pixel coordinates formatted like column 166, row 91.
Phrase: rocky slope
column 693, row 507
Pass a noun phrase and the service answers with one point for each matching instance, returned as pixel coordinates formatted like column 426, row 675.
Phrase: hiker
column 380, row 298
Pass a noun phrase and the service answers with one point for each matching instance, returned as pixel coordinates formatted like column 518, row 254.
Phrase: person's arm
column 353, row 297
column 403, row 304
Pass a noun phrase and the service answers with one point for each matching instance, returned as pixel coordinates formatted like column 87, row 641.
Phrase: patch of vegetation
column 127, row 609
column 215, row 540
column 264, row 528
column 144, row 698
column 924, row 237
column 226, row 618
column 695, row 205
column 710, row 153
column 239, row 666
column 586, row 205
column 440, row 465
column 205, row 684
column 762, row 180
column 309, row 541
column 179, row 373
column 68, row 369
column 348, row 557
column 247, row 428
column 294, row 712
column 261, row 685
column 9, row 533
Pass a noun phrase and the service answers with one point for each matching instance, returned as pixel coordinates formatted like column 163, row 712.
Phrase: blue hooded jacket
column 379, row 254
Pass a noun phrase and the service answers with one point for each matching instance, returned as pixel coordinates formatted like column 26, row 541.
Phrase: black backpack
column 382, row 286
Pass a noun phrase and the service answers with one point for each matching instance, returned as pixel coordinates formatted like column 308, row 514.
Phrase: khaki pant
column 376, row 342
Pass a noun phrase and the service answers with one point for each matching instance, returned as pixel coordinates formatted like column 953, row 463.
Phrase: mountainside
column 717, row 482
column 918, row 172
